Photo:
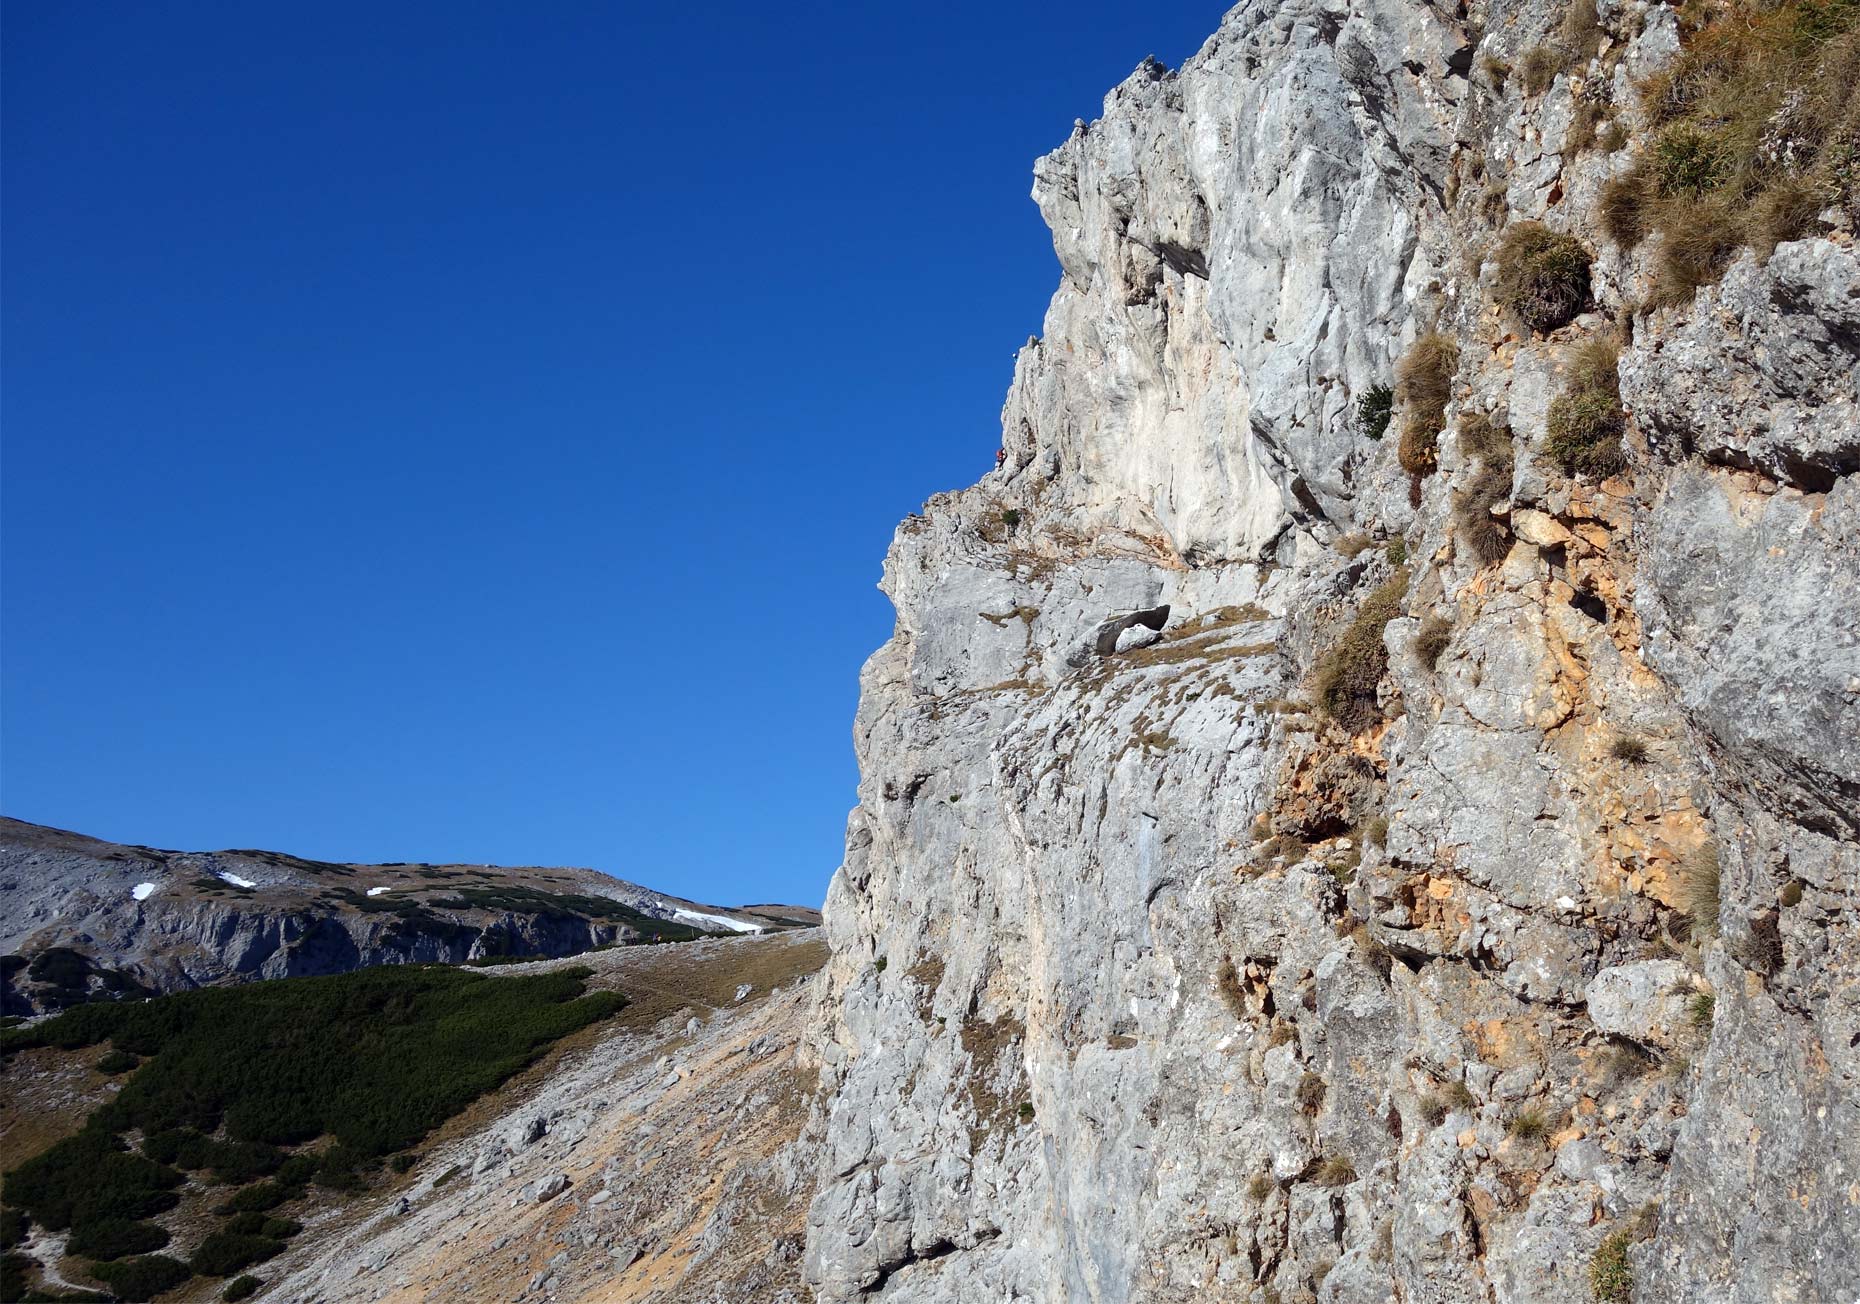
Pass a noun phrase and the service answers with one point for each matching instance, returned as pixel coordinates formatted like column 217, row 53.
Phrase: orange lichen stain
column 1567, row 1135
column 1484, row 1206
column 1468, row 1139
column 1440, row 888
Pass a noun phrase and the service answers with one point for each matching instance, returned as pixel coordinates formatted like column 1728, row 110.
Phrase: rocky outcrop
column 1153, row 979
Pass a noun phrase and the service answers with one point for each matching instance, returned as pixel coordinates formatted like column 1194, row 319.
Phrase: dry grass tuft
column 1528, row 1125
column 1585, row 423
column 1543, row 276
column 1347, row 676
column 1311, row 1092
column 1490, row 486
column 1334, row 1171
column 1432, row 641
column 1483, row 438
column 1423, row 384
column 1538, row 68
column 1631, row 748
column 1700, row 885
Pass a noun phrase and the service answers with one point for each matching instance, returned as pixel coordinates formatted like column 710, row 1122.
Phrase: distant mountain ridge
column 82, row 918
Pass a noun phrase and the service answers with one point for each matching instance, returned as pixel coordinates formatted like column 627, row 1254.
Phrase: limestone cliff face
column 1153, row 981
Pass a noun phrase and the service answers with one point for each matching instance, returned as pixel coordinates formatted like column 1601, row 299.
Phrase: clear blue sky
column 472, row 432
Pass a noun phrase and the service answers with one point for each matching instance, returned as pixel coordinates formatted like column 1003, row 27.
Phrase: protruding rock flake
column 1451, row 897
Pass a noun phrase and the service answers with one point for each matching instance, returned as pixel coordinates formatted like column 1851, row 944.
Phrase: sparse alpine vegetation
column 1757, row 129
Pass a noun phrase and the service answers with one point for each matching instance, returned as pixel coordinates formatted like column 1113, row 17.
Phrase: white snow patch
column 377, row 891
column 734, row 925
column 235, row 880
column 142, row 891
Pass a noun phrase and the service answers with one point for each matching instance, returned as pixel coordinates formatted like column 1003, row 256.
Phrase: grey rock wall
column 1149, row 981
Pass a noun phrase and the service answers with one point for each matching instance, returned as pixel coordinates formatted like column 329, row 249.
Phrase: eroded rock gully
column 1151, row 982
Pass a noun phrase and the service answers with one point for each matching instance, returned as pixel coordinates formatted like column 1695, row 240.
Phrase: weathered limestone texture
column 1153, row 981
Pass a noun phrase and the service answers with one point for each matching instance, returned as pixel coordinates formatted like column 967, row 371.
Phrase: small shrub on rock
column 241, row 1287
column 1528, row 1125
column 1585, row 433
column 1691, row 159
column 1627, row 206
column 1259, row 1187
column 1373, row 411
column 1335, row 1171
column 1310, row 1093
column 1611, row 1277
column 1484, row 439
column 1543, row 276
column 1490, row 486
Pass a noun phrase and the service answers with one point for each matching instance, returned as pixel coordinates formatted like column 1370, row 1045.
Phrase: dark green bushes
column 89, row 1178
column 224, row 1253
column 117, row 1061
column 141, row 1279
column 115, row 1238
column 233, row 1162
column 240, row 1287
column 1542, row 276
column 375, row 1058
column 258, row 1224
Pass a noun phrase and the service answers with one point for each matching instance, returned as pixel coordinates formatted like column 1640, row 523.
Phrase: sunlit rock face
column 1152, row 980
